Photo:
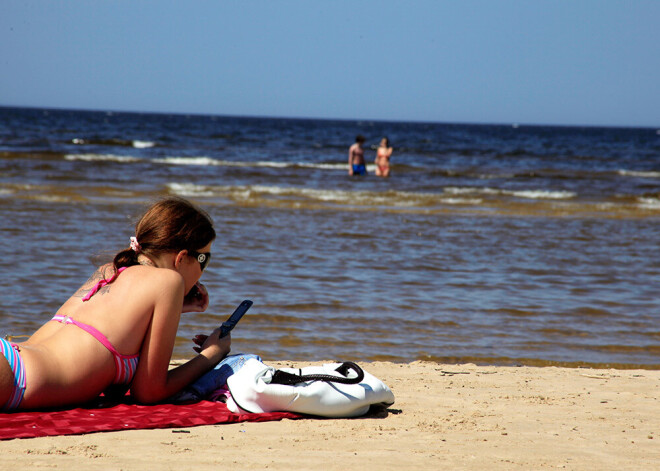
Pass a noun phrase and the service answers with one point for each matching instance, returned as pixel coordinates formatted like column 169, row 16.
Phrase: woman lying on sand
column 118, row 329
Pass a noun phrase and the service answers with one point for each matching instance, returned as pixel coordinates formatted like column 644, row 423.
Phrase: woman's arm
column 153, row 380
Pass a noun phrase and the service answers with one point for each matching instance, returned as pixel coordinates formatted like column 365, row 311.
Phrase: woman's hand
column 197, row 300
column 213, row 342
column 199, row 340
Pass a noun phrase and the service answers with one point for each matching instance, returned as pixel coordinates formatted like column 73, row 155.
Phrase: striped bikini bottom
column 13, row 356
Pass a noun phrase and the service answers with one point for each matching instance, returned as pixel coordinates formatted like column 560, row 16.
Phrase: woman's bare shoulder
column 136, row 274
column 159, row 279
column 101, row 273
column 148, row 272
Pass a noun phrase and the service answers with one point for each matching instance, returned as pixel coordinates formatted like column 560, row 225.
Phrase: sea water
column 489, row 243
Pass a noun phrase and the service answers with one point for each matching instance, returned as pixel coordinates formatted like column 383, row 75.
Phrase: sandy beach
column 445, row 417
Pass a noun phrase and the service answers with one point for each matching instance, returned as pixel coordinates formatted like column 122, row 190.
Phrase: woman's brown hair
column 170, row 225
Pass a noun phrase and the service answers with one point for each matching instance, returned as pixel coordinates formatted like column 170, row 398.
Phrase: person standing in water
column 383, row 154
column 356, row 163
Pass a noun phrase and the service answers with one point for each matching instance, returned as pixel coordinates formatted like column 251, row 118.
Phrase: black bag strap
column 283, row 377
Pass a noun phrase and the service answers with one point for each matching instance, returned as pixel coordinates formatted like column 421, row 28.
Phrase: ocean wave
column 329, row 166
column 192, row 161
column 542, row 194
column 102, row 158
column 529, row 194
column 649, row 203
column 366, row 198
column 490, row 201
column 190, row 190
column 201, row 160
column 472, row 201
column 301, row 197
column 186, row 161
column 460, row 198
column 138, row 144
column 639, row 173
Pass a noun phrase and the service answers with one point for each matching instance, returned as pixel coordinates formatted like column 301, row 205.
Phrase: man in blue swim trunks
column 356, row 163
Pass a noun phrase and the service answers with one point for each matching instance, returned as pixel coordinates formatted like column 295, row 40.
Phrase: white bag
column 252, row 390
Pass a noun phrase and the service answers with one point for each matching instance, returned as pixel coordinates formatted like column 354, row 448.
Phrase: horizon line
column 248, row 116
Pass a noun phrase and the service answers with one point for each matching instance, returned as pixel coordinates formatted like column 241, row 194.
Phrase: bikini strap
column 94, row 332
column 102, row 283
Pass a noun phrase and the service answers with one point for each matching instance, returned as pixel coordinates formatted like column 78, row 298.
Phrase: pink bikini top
column 125, row 364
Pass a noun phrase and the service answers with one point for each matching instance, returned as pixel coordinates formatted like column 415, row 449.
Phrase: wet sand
column 445, row 417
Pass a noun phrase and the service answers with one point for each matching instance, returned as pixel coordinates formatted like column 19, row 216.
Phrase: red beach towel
column 124, row 417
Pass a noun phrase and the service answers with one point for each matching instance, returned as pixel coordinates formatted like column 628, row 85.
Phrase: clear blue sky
column 591, row 62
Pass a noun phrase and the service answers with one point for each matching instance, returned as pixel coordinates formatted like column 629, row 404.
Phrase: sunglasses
column 202, row 258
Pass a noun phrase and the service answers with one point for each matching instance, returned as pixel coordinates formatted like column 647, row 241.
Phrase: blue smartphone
column 230, row 323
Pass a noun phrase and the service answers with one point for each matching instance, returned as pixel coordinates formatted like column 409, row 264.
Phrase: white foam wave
column 459, row 201
column 343, row 167
column 187, row 161
column 102, row 158
column 310, row 193
column 199, row 160
column 452, row 190
column 295, row 195
column 637, row 173
column 321, row 166
column 649, row 203
column 229, row 163
column 217, row 163
column 143, row 144
column 268, row 164
column 190, row 189
column 50, row 198
column 390, row 198
column 529, row 194
column 542, row 194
